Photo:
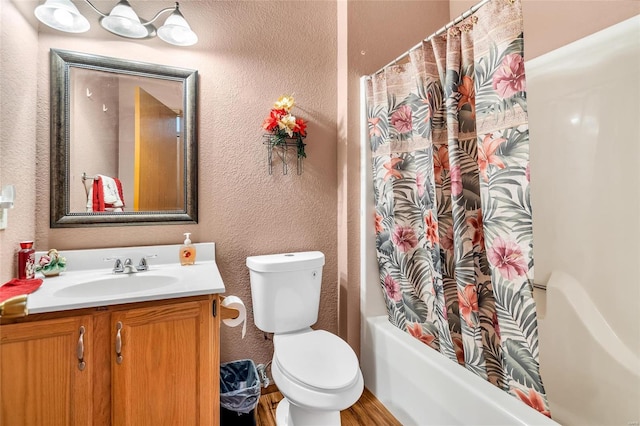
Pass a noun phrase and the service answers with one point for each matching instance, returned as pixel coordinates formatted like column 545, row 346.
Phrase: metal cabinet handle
column 80, row 350
column 119, row 342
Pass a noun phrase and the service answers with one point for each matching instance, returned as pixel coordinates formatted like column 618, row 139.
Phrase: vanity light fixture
column 122, row 20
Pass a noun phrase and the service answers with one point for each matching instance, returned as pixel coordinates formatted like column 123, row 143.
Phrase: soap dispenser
column 187, row 251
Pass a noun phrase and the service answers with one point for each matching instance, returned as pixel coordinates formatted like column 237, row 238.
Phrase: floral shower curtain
column 449, row 138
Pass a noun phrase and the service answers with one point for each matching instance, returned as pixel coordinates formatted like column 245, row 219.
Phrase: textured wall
column 246, row 59
column 18, row 159
column 372, row 33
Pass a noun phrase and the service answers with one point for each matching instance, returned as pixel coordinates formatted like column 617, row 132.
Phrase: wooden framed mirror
column 123, row 142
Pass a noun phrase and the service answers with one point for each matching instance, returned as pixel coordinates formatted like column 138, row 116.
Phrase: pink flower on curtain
column 415, row 329
column 446, row 241
column 468, row 300
column 404, row 238
column 533, row 400
column 374, row 130
column 509, row 78
column 378, row 223
column 431, row 230
column 456, row 180
column 478, row 231
column 468, row 95
column 392, row 288
column 527, row 172
column 508, row 258
column 401, row 119
column 420, row 181
column 440, row 162
column 391, row 170
column 487, row 154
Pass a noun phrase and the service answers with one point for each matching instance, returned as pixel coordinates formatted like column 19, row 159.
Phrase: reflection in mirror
column 123, row 142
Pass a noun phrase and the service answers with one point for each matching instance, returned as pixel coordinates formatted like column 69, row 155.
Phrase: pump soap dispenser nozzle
column 187, row 251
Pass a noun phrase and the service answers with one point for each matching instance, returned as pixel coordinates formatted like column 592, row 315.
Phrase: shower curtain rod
column 459, row 19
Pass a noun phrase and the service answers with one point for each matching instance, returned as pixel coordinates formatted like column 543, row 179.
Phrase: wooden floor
column 367, row 411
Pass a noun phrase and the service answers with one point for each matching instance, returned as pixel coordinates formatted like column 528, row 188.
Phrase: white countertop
column 87, row 268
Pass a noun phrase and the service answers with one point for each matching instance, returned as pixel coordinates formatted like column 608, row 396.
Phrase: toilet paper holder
column 226, row 312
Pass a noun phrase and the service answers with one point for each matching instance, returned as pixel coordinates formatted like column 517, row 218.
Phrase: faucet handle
column 143, row 265
column 117, row 266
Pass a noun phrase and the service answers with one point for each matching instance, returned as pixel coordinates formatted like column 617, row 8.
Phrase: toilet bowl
column 316, row 371
column 318, row 374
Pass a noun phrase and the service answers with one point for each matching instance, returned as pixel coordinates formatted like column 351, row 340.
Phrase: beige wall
column 246, row 61
column 18, row 156
column 370, row 37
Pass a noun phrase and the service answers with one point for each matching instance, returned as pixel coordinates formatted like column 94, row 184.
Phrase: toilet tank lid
column 286, row 261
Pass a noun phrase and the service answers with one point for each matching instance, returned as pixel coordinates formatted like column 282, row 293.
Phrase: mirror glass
column 123, row 142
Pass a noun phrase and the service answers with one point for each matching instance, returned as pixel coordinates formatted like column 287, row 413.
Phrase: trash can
column 239, row 393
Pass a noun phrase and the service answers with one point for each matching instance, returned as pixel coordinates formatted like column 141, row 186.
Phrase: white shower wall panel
column 584, row 119
column 584, row 122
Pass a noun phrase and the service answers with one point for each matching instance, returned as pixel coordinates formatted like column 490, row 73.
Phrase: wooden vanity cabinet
column 41, row 380
column 166, row 356
column 150, row 363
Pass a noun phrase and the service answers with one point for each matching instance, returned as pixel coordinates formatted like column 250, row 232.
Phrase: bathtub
column 421, row 387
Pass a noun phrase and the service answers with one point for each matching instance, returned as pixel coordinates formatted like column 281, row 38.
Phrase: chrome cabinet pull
column 119, row 342
column 80, row 350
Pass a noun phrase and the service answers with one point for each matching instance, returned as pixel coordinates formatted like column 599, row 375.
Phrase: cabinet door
column 42, row 378
column 162, row 365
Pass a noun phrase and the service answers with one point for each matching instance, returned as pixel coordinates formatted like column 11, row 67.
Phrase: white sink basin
column 90, row 282
column 116, row 285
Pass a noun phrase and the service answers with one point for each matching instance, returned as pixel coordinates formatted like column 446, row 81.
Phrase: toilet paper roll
column 234, row 302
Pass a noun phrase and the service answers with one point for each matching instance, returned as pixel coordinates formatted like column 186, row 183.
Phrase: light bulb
column 63, row 17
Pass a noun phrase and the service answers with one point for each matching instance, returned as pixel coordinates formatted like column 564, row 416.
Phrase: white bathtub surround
column 585, row 173
column 592, row 376
column 450, row 153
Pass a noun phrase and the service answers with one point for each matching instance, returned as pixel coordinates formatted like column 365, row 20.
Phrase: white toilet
column 316, row 371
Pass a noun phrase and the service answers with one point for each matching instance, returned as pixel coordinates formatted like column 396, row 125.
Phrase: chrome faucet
column 127, row 267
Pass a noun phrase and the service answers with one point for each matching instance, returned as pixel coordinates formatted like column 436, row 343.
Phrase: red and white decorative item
column 26, row 261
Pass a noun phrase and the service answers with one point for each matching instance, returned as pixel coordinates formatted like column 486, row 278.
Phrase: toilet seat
column 316, row 359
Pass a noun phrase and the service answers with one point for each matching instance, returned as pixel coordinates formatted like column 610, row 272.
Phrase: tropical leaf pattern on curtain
column 450, row 155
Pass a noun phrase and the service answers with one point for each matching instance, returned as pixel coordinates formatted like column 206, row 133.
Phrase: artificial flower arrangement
column 51, row 264
column 282, row 125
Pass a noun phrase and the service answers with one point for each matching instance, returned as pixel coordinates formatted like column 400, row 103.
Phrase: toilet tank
column 285, row 290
